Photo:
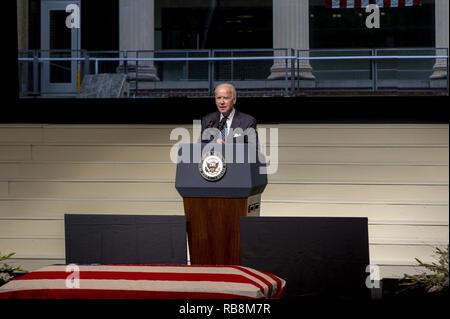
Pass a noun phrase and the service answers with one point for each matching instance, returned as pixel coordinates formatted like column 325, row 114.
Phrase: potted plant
column 434, row 282
column 7, row 272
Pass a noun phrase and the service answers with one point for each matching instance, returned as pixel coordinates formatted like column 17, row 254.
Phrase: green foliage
column 435, row 281
column 7, row 271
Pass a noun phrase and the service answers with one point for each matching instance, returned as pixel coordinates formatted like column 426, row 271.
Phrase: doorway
column 58, row 42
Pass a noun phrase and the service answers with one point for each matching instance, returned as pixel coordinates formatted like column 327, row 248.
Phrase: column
column 441, row 23
column 22, row 41
column 290, row 30
column 22, row 24
column 137, row 32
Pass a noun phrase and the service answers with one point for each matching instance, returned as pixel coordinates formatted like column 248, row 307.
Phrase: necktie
column 223, row 131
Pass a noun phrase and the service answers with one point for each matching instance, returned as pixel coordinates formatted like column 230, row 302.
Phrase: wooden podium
column 213, row 205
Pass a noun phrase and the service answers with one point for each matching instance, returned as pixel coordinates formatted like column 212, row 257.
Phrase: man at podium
column 220, row 181
column 228, row 125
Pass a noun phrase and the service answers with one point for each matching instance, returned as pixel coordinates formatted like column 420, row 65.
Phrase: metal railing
column 256, row 71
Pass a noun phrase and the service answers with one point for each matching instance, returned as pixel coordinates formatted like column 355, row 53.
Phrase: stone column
column 137, row 32
column 441, row 22
column 22, row 24
column 290, row 30
column 22, row 40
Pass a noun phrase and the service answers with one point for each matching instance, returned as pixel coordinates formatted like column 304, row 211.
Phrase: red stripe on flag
column 264, row 280
column 160, row 265
column 358, row 3
column 279, row 285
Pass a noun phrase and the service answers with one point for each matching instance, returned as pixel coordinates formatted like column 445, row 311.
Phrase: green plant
column 7, row 271
column 435, row 281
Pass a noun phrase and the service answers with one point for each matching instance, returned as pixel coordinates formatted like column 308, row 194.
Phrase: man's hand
column 220, row 141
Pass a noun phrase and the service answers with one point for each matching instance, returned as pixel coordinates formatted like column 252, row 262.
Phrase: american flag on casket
column 144, row 282
column 335, row 4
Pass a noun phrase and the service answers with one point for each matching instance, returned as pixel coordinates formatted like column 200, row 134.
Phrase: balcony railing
column 256, row 72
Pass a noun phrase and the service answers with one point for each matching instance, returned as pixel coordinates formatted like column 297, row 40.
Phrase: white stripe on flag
column 336, row 4
column 350, row 3
column 364, row 3
column 409, row 3
column 380, row 3
column 394, row 3
column 152, row 269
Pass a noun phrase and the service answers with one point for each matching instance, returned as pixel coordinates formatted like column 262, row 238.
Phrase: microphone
column 211, row 124
column 222, row 123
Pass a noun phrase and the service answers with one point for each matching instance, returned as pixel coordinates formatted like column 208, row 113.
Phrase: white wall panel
column 396, row 175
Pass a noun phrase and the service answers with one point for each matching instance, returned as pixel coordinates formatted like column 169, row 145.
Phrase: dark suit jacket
column 241, row 120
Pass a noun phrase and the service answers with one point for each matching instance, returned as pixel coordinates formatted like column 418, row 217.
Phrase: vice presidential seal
column 212, row 167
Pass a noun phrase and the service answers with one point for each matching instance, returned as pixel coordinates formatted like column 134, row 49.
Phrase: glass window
column 205, row 24
column 345, row 27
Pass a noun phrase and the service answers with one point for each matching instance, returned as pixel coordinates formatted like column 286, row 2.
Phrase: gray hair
column 231, row 86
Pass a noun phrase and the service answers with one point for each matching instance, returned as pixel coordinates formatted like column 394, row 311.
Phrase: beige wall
column 396, row 175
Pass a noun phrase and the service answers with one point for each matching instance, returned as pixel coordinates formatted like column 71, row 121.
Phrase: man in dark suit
column 228, row 125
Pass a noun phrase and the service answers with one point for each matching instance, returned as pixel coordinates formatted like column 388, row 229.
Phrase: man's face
column 224, row 99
